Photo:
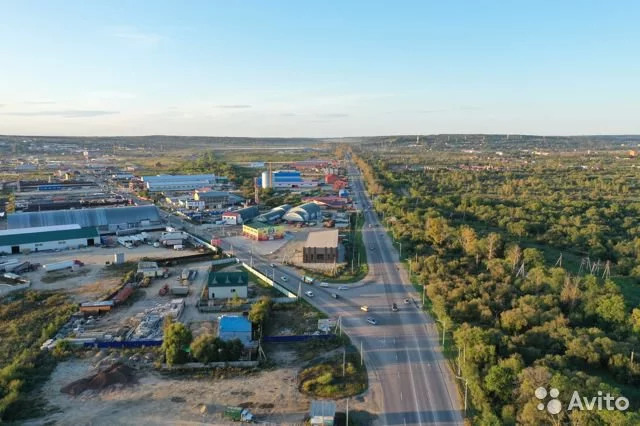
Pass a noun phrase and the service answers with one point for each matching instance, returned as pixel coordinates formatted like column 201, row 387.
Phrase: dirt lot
column 157, row 399
column 93, row 279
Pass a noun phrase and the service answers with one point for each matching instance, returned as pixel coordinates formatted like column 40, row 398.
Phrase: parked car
column 334, row 295
column 309, row 293
column 324, row 284
column 343, row 287
column 364, row 308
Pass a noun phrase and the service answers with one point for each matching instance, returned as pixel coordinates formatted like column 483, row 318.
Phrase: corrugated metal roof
column 46, row 236
column 228, row 279
column 322, row 239
column 84, row 217
column 234, row 324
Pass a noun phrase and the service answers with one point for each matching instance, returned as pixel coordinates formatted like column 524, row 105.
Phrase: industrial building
column 321, row 247
column 43, row 238
column 306, row 212
column 240, row 216
column 225, row 285
column 235, row 327
column 217, row 199
column 274, row 215
column 107, row 220
column 259, row 231
column 162, row 183
column 284, row 179
column 329, row 201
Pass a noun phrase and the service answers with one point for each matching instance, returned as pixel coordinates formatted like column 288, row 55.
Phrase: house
column 235, row 327
column 225, row 285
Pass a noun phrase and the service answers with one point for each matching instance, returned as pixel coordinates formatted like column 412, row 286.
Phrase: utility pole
column 347, row 420
column 361, row 354
column 344, row 359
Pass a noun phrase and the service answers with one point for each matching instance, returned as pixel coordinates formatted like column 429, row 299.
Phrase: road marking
column 400, row 395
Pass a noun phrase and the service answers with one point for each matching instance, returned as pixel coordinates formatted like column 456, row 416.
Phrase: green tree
column 177, row 338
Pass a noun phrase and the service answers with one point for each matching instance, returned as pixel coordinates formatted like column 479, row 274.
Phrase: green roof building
column 45, row 238
column 224, row 285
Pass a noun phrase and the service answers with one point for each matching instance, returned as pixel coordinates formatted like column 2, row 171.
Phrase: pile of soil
column 117, row 374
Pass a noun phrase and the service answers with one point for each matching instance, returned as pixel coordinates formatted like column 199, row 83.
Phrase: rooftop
column 42, row 236
column 228, row 279
column 327, row 238
column 234, row 324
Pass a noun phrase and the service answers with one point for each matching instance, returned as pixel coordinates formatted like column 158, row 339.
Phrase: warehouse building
column 274, row 215
column 217, row 199
column 235, row 327
column 107, row 220
column 161, row 183
column 225, row 285
column 321, row 247
column 240, row 216
column 43, row 238
column 284, row 179
column 259, row 231
column 306, row 212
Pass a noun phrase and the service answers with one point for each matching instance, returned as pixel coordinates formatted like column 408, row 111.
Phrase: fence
column 124, row 344
column 270, row 281
column 297, row 338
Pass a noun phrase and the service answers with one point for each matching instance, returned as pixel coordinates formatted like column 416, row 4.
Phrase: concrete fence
column 270, row 281
column 201, row 366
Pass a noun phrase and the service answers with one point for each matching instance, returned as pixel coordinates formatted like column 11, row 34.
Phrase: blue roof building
column 235, row 327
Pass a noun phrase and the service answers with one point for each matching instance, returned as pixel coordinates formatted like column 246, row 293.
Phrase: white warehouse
column 43, row 238
column 177, row 182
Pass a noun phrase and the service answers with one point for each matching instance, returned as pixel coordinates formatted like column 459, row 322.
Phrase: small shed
column 235, row 327
column 322, row 413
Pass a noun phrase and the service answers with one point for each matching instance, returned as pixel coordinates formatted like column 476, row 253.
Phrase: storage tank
column 266, row 180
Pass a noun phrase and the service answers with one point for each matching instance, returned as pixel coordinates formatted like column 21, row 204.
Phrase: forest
column 534, row 266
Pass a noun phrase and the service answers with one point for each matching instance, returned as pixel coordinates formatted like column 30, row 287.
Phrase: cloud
column 288, row 114
column 233, row 106
column 136, row 36
column 62, row 113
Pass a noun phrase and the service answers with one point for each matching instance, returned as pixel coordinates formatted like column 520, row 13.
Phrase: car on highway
column 334, row 295
column 273, row 265
column 343, row 287
column 324, row 284
column 364, row 308
column 406, row 301
column 309, row 293
column 372, row 321
column 394, row 307
column 372, row 248
column 283, row 278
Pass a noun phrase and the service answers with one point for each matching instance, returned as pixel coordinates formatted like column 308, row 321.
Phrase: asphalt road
column 409, row 380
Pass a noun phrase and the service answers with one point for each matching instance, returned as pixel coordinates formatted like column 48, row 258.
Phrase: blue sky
column 321, row 68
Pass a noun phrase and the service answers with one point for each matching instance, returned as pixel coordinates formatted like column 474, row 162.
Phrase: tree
column 177, row 338
column 205, row 348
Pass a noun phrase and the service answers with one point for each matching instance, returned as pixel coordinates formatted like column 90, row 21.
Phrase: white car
column 309, row 293
column 343, row 287
column 283, row 278
column 324, row 284
column 372, row 321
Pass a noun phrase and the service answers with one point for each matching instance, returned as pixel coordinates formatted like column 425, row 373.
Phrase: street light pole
column 466, row 386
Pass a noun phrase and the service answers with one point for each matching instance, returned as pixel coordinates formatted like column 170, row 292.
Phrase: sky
column 318, row 68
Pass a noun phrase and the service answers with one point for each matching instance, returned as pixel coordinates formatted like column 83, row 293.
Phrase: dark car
column 334, row 295
column 394, row 307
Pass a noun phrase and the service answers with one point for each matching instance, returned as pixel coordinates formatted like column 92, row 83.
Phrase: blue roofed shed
column 235, row 327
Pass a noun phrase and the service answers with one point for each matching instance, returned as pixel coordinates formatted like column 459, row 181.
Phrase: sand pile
column 117, row 374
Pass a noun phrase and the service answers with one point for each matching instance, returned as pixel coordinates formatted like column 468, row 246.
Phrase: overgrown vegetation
column 484, row 240
column 326, row 378
column 28, row 319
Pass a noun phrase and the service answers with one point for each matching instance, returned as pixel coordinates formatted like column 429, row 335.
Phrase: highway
column 410, row 382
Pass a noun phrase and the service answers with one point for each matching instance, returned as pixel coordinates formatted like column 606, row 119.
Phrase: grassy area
column 325, row 379
column 293, row 318
column 262, row 288
column 630, row 289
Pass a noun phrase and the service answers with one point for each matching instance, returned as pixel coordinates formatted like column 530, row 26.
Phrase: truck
column 308, row 280
column 59, row 266
column 238, row 414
